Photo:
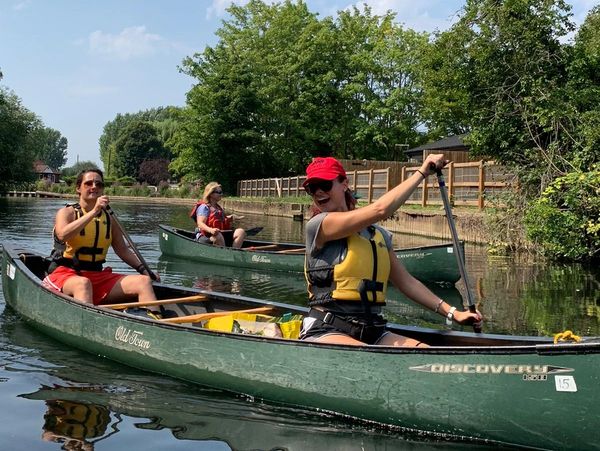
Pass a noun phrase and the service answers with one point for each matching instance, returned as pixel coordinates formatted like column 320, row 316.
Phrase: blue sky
column 77, row 63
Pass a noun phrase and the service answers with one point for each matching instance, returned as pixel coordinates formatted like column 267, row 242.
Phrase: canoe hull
column 427, row 263
column 510, row 394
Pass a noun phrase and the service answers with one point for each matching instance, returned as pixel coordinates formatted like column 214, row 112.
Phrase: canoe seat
column 37, row 264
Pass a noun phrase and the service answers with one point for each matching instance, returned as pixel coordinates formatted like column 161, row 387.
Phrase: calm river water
column 49, row 390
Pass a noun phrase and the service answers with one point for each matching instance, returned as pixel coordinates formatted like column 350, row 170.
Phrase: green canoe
column 506, row 389
column 427, row 263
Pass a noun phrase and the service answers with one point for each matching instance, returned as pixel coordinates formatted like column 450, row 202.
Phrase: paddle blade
column 253, row 231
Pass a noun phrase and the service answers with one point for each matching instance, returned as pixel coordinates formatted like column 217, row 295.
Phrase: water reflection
column 74, row 424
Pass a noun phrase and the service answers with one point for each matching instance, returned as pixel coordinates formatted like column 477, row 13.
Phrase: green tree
column 138, row 142
column 584, row 90
column 281, row 85
column 16, row 122
column 165, row 119
column 507, row 67
column 78, row 167
column 49, row 146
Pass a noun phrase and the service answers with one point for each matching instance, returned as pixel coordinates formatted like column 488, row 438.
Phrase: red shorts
column 102, row 281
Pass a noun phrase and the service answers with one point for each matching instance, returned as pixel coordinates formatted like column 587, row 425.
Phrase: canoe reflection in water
column 74, row 424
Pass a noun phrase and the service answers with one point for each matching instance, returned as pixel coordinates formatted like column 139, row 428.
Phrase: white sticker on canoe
column 450, row 250
column 165, row 237
column 565, row 383
column 132, row 337
column 260, row 259
column 10, row 271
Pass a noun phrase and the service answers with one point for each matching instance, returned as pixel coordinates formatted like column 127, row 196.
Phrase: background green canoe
column 435, row 263
column 509, row 389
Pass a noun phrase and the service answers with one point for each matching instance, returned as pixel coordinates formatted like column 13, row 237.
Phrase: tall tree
column 165, row 119
column 137, row 143
column 16, row 122
column 508, row 68
column 49, row 146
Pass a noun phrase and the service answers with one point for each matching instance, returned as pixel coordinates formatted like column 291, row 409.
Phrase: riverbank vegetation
column 282, row 85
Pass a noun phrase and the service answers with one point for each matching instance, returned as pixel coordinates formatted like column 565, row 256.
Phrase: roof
column 447, row 143
column 39, row 167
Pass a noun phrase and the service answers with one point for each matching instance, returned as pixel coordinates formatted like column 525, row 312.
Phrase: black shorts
column 320, row 323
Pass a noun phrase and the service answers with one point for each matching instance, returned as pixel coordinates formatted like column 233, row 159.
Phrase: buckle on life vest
column 328, row 318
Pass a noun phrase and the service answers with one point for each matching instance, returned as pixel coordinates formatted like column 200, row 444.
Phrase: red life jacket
column 216, row 217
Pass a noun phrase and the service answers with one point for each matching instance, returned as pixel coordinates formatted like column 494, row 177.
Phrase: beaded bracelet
column 437, row 308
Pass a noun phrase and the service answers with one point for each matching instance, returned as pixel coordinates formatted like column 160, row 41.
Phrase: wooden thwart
column 299, row 250
column 262, row 248
column 199, row 297
column 204, row 316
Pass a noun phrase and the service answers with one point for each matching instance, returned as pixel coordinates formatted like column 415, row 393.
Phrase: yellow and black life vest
column 361, row 275
column 87, row 250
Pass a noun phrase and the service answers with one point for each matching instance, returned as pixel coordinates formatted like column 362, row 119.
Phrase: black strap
column 332, row 320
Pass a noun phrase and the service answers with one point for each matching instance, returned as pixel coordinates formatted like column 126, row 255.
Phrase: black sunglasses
column 98, row 183
column 217, row 191
column 323, row 185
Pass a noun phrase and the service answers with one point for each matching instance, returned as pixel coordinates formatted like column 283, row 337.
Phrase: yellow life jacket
column 91, row 244
column 365, row 267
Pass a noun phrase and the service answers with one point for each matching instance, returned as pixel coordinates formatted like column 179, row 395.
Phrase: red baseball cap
column 323, row 168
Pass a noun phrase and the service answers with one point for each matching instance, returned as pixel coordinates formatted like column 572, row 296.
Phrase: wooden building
column 45, row 172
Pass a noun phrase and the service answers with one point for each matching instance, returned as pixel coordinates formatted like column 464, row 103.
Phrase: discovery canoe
column 489, row 388
column 435, row 263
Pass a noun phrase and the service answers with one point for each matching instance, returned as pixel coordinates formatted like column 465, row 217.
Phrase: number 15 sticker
column 565, row 383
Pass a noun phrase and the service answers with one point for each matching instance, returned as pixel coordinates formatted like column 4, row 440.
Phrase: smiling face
column 329, row 195
column 91, row 186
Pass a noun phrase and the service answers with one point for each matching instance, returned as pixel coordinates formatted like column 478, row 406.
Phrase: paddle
column 130, row 243
column 457, row 249
column 253, row 231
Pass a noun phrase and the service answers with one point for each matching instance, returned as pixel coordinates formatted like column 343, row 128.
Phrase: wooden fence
column 468, row 184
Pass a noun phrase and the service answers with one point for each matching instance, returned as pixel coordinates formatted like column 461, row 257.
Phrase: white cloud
column 21, row 5
column 218, row 7
column 132, row 42
column 425, row 15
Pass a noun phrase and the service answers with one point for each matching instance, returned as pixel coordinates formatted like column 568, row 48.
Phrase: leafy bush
column 127, row 181
column 565, row 220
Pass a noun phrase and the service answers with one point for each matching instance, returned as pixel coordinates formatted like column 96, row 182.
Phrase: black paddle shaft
column 457, row 249
column 131, row 243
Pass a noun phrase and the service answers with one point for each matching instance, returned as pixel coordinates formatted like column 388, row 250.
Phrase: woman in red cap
column 350, row 259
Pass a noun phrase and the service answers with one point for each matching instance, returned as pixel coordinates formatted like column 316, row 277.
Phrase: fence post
column 370, row 185
column 425, row 193
column 481, row 185
column 451, row 182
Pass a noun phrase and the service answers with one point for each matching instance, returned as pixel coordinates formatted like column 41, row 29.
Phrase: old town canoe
column 435, row 263
column 505, row 389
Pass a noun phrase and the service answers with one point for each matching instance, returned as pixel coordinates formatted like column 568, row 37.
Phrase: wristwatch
column 450, row 316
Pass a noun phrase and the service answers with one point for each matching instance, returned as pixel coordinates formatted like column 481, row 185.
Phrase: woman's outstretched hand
column 433, row 162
